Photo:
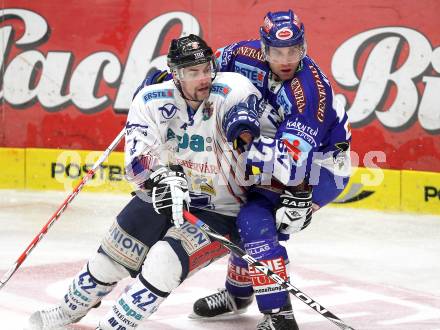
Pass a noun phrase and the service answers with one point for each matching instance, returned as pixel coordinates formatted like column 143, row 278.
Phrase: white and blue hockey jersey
column 162, row 129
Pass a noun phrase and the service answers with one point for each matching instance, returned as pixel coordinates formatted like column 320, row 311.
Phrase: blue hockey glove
column 156, row 77
column 242, row 118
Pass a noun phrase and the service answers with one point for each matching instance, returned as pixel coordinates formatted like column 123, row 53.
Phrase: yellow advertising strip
column 372, row 188
column 53, row 169
column 421, row 192
column 62, row 169
column 12, row 165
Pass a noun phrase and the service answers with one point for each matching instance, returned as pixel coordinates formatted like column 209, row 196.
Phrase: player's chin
column 203, row 92
column 286, row 74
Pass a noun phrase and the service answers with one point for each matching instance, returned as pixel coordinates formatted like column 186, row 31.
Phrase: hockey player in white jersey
column 197, row 116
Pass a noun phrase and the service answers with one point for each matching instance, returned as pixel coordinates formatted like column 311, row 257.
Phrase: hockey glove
column 169, row 192
column 242, row 118
column 294, row 212
column 156, row 77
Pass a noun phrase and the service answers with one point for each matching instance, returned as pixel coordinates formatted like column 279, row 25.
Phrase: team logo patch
column 159, row 94
column 168, row 110
column 207, row 110
column 220, row 89
column 284, row 34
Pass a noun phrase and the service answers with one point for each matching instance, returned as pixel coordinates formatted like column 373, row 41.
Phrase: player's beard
column 199, row 94
column 202, row 93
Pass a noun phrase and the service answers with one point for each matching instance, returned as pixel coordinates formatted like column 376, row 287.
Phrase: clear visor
column 285, row 55
column 196, row 72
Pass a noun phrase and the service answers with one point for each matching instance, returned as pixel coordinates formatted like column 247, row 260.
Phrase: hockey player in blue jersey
column 311, row 142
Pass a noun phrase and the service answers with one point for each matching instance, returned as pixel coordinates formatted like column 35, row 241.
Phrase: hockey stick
column 61, row 209
column 191, row 218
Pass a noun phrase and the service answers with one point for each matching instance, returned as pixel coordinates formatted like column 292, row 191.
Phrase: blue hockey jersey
column 312, row 134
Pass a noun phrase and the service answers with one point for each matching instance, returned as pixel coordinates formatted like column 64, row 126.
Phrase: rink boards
column 53, row 169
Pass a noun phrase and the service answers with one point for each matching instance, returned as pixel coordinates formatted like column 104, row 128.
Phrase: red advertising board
column 68, row 69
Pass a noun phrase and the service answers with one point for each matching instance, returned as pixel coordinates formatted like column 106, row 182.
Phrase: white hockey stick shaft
column 191, row 218
column 60, row 210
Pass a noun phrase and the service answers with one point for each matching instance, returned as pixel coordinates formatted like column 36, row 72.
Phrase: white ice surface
column 374, row 270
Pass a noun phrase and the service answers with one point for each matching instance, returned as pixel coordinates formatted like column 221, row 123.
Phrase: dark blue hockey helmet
column 282, row 29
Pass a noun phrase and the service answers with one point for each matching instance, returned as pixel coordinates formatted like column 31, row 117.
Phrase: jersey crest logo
column 168, row 110
column 207, row 110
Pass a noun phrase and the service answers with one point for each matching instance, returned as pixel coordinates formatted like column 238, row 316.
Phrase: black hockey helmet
column 188, row 51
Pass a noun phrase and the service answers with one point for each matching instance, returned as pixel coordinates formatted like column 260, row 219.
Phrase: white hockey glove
column 294, row 212
column 169, row 192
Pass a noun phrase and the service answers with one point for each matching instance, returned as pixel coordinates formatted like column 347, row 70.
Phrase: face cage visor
column 285, row 55
column 196, row 72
